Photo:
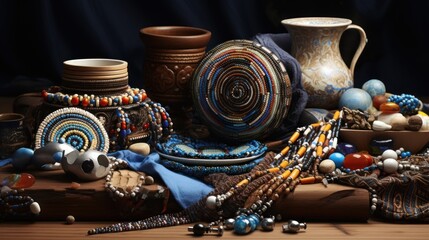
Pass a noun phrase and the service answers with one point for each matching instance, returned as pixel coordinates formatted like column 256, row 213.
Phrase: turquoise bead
column 242, row 226
column 254, row 222
column 338, row 159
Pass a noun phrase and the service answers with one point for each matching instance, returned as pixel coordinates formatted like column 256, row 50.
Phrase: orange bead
column 390, row 107
column 125, row 100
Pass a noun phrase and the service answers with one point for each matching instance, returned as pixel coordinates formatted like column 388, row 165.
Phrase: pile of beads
column 130, row 96
column 408, row 104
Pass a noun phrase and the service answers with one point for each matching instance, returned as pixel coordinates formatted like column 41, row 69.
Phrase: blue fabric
column 5, row 162
column 186, row 190
column 279, row 44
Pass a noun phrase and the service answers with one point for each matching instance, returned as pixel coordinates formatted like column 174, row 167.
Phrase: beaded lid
column 241, row 90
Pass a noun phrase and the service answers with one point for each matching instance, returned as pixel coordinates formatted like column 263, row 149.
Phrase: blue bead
column 22, row 158
column 338, row 159
column 242, row 226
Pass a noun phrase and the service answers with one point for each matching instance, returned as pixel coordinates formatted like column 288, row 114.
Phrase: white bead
column 373, row 207
column 389, row 153
column 374, row 200
column 390, row 165
column 35, row 208
column 211, row 202
column 326, row 166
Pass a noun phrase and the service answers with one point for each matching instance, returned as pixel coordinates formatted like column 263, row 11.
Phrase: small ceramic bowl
column 412, row 141
column 95, row 64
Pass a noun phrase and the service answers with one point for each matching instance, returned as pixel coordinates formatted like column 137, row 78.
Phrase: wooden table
column 370, row 230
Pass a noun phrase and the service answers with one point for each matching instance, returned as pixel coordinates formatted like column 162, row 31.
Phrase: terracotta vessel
column 171, row 55
column 315, row 44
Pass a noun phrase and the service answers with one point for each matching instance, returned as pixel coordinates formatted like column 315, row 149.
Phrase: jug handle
column 362, row 43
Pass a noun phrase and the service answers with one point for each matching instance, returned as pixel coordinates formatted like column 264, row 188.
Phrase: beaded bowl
column 413, row 141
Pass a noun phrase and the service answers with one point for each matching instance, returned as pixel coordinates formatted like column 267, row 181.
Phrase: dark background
column 37, row 36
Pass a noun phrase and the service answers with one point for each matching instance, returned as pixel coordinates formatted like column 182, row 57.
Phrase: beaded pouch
column 200, row 152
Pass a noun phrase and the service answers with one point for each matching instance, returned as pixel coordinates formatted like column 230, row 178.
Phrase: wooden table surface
column 368, row 230
column 315, row 230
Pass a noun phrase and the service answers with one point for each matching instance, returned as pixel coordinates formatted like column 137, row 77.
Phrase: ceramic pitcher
column 315, row 45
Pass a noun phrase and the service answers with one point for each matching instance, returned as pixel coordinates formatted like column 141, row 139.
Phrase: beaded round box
column 126, row 114
column 241, row 90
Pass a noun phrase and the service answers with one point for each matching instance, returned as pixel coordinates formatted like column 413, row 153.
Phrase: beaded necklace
column 268, row 181
column 130, row 96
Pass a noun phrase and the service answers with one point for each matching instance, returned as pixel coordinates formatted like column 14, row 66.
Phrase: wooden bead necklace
column 270, row 181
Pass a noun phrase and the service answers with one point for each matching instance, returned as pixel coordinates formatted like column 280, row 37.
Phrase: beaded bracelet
column 182, row 146
column 130, row 96
column 134, row 193
column 160, row 123
column 201, row 171
column 120, row 131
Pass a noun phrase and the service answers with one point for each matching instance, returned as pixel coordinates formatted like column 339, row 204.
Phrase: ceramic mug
column 13, row 134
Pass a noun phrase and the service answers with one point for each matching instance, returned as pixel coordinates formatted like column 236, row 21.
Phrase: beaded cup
column 80, row 128
column 241, row 90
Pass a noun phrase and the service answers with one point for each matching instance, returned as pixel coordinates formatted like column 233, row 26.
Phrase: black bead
column 199, row 229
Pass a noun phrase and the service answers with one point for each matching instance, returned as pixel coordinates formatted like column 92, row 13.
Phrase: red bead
column 125, row 100
column 44, row 94
column 133, row 128
column 85, row 102
column 163, row 116
column 104, row 102
column 144, row 95
column 19, row 181
column 355, row 161
column 378, row 100
column 75, row 100
column 390, row 107
column 123, row 125
column 146, row 125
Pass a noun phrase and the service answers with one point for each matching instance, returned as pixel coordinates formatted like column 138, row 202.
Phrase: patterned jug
column 315, row 45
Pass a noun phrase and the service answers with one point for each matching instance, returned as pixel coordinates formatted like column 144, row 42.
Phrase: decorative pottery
column 315, row 45
column 13, row 134
column 171, row 55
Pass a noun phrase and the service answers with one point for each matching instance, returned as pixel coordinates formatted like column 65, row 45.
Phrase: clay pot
column 171, row 55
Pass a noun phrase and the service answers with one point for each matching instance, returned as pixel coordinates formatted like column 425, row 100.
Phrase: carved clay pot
column 171, row 55
column 315, row 45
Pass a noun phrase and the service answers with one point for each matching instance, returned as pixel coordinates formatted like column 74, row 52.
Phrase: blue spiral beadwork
column 241, row 90
column 182, row 146
column 79, row 128
column 201, row 171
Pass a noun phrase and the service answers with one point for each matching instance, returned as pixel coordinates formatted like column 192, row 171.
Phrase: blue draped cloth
column 186, row 190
